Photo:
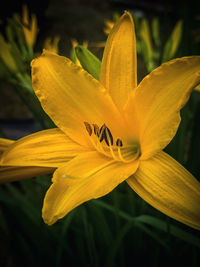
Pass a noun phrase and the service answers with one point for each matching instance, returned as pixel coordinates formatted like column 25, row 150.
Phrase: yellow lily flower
column 108, row 26
column 52, row 44
column 110, row 23
column 29, row 27
column 111, row 130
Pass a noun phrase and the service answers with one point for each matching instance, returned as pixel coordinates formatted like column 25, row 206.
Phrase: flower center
column 103, row 141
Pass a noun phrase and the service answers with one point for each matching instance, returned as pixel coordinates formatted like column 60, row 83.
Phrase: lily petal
column 70, row 96
column 16, row 173
column 119, row 63
column 86, row 177
column 48, row 148
column 169, row 187
column 153, row 110
column 197, row 87
column 4, row 144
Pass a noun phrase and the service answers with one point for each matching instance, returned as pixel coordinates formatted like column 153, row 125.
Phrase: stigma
column 105, row 143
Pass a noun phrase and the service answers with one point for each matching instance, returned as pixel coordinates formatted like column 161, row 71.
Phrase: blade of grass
column 117, row 244
column 156, row 223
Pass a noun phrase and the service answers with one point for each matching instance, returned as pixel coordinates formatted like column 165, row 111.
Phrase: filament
column 102, row 136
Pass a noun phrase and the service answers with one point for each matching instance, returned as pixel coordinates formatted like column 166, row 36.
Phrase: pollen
column 64, row 176
column 108, row 137
column 102, row 133
column 88, row 128
column 96, row 129
column 119, row 142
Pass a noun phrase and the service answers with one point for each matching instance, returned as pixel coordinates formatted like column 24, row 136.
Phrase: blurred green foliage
column 15, row 59
column 149, row 43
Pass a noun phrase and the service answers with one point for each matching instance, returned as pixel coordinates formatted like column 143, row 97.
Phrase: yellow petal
column 108, row 26
column 48, row 148
column 4, row 144
column 197, row 87
column 119, row 64
column 169, row 187
column 153, row 108
column 30, row 27
column 16, row 173
column 70, row 96
column 51, row 44
column 86, row 177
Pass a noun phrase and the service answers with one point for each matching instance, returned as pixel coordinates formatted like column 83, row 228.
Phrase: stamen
column 112, row 153
column 118, row 152
column 108, row 137
column 88, row 128
column 120, row 155
column 119, row 142
column 128, row 155
column 100, row 147
column 96, row 129
column 102, row 133
column 105, row 134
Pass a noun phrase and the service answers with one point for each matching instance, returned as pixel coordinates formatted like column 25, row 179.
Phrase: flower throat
column 103, row 141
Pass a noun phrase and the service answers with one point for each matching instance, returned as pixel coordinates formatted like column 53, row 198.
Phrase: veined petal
column 16, row 173
column 48, row 148
column 4, row 144
column 153, row 110
column 70, row 96
column 169, row 187
column 119, row 64
column 88, row 176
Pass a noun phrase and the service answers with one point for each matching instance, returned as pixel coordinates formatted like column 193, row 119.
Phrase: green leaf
column 156, row 223
column 156, row 31
column 173, row 42
column 146, row 44
column 129, row 218
column 73, row 55
column 88, row 61
column 175, row 231
column 118, row 244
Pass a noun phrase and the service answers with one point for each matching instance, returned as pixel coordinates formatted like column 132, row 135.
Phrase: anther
column 119, row 142
column 108, row 137
column 96, row 129
column 88, row 128
column 102, row 133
